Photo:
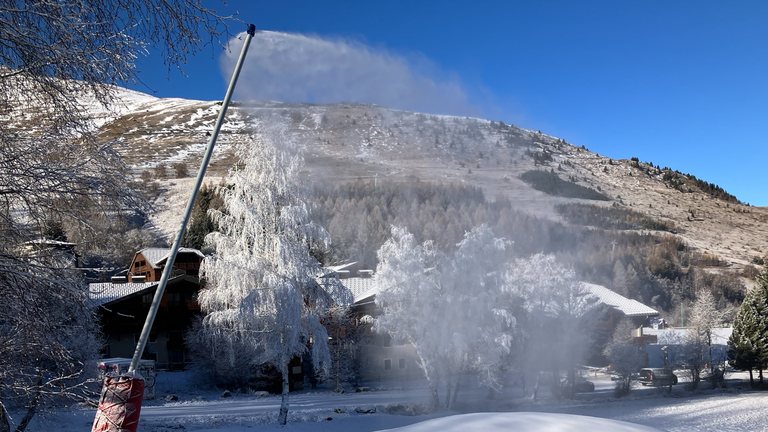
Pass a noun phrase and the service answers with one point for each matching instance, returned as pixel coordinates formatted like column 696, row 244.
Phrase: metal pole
column 198, row 182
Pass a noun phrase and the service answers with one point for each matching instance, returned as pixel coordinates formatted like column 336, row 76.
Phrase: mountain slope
column 349, row 141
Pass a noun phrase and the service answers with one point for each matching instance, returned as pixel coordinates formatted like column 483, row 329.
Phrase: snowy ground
column 734, row 409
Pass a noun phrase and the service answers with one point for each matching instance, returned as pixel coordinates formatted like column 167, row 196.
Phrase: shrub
column 750, row 271
column 160, row 171
column 181, row 169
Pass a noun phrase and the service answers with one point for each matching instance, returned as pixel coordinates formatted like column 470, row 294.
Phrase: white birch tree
column 261, row 279
column 447, row 308
column 704, row 318
column 557, row 317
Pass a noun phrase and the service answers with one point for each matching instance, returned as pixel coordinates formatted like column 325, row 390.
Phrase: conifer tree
column 743, row 347
column 748, row 344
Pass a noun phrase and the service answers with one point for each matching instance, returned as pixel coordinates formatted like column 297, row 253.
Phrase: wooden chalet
column 148, row 264
column 123, row 305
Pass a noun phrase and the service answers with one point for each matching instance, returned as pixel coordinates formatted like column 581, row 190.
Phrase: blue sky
column 680, row 84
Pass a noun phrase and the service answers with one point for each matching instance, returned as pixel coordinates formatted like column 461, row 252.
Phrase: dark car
column 656, row 376
column 581, row 385
column 584, row 387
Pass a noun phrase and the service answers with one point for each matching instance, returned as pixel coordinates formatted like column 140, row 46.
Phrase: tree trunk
column 491, row 394
column 695, row 377
column 434, row 381
column 448, row 395
column 570, row 389
column 456, row 391
column 555, row 386
column 338, row 364
column 761, row 376
column 32, row 408
column 434, row 401
column 522, row 382
column 4, row 420
column 536, row 386
column 751, row 378
column 711, row 363
column 283, row 418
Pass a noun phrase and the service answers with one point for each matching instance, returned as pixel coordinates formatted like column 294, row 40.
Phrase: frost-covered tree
column 692, row 357
column 704, row 318
column 58, row 62
column 261, row 289
column 619, row 278
column 625, row 357
column 696, row 344
column 446, row 307
column 633, row 283
column 478, row 279
column 557, row 317
column 47, row 336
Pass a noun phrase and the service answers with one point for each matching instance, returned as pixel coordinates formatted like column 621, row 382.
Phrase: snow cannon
column 120, row 403
column 121, row 397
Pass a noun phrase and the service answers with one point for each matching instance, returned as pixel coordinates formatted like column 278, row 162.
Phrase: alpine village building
column 123, row 304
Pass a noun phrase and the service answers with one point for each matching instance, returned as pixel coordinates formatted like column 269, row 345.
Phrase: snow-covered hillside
column 350, row 141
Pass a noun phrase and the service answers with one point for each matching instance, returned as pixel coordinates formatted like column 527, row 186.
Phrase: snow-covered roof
column 720, row 335
column 341, row 267
column 50, row 242
column 103, row 293
column 155, row 256
column 107, row 292
column 362, row 288
column 624, row 305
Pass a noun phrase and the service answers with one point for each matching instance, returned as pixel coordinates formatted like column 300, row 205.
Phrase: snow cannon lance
column 121, row 396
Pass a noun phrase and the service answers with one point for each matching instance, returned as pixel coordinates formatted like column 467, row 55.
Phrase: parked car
column 584, row 386
column 656, row 376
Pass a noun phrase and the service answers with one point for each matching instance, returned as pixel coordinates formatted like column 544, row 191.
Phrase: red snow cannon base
column 120, row 403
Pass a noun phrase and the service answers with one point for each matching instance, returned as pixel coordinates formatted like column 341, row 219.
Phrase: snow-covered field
column 733, row 409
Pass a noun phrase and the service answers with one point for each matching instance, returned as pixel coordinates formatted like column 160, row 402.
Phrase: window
column 174, row 299
column 401, row 363
column 386, row 341
column 387, row 364
column 175, row 356
column 146, row 299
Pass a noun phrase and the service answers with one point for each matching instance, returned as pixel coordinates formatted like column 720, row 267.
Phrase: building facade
column 123, row 305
